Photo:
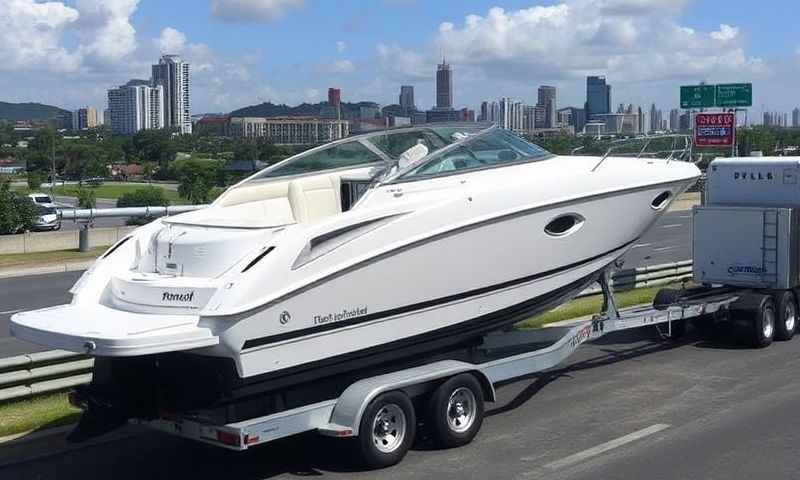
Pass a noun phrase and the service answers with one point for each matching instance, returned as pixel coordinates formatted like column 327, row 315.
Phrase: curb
column 45, row 269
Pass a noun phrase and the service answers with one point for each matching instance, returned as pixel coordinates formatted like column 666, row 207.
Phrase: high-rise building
column 598, row 96
column 653, row 118
column 133, row 107
column 107, row 117
column 334, row 97
column 84, row 118
column 444, row 86
column 796, row 117
column 674, row 119
column 172, row 74
column 407, row 97
column 547, row 99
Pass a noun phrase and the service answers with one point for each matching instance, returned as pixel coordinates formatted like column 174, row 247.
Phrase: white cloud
column 252, row 10
column 30, row 36
column 635, row 40
column 312, row 95
column 171, row 40
column 726, row 33
column 337, row 66
column 341, row 46
column 403, row 63
column 106, row 33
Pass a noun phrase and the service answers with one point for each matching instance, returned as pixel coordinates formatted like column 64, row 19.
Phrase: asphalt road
column 628, row 406
column 668, row 241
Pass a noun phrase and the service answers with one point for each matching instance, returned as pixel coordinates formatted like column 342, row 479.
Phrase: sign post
column 715, row 130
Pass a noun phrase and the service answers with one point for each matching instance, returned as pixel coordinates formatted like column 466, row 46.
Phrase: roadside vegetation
column 46, row 258
column 38, row 412
column 17, row 212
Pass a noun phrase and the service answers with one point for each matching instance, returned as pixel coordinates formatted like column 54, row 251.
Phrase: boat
column 343, row 260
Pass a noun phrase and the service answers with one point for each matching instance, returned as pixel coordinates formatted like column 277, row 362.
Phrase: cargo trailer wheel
column 455, row 411
column 786, row 321
column 387, row 430
column 757, row 311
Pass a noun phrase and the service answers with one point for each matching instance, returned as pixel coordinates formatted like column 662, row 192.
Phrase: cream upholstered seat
column 313, row 198
column 303, row 199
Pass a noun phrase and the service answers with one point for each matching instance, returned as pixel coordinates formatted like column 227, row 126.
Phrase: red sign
column 714, row 129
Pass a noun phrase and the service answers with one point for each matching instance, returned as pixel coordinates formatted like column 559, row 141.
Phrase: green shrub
column 143, row 197
column 35, row 180
column 17, row 212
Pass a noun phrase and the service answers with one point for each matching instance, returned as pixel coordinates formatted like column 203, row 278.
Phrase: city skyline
column 75, row 51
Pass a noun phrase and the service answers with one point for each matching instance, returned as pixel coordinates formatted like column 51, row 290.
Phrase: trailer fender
column 349, row 408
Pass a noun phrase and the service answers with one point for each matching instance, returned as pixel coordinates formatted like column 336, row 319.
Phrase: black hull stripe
column 257, row 342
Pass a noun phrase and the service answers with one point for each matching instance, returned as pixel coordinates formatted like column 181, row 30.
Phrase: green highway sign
column 698, row 96
column 735, row 95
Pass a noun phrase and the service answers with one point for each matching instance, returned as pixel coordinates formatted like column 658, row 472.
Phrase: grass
column 45, row 411
column 24, row 259
column 107, row 191
column 116, row 190
column 585, row 306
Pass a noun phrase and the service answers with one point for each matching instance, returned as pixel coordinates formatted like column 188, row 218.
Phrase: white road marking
column 672, row 225
column 604, row 447
column 663, row 249
column 640, row 245
column 7, row 312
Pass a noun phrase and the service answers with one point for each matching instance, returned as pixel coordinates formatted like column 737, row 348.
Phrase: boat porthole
column 564, row 225
column 661, row 200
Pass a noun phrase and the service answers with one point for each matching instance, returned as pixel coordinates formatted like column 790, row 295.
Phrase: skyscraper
column 653, row 118
column 84, row 118
column 334, row 97
column 598, row 96
column 547, row 100
column 172, row 74
column 674, row 119
column 796, row 117
column 136, row 106
column 444, row 86
column 407, row 97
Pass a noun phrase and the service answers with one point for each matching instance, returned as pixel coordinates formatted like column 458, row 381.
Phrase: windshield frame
column 400, row 176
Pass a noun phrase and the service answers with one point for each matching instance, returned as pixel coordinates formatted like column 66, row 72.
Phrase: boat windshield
column 381, row 149
column 490, row 148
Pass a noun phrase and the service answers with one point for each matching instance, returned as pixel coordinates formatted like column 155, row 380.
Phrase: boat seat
column 313, row 198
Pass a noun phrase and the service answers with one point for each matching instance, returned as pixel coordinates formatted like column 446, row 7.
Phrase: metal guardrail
column 89, row 214
column 26, row 375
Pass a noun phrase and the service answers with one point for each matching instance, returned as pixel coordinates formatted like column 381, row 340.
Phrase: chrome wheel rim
column 789, row 317
column 461, row 410
column 769, row 323
column 389, row 428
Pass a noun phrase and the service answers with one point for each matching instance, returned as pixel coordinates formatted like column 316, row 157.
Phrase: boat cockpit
column 330, row 179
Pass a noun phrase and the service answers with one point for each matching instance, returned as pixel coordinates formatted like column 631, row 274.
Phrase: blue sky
column 247, row 51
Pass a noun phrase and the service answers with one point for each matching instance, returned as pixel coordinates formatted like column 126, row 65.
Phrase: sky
column 242, row 52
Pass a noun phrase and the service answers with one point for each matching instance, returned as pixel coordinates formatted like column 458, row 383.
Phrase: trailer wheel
column 786, row 321
column 757, row 311
column 455, row 411
column 387, row 430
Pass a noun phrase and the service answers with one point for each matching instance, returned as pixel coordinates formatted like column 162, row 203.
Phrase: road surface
column 628, row 406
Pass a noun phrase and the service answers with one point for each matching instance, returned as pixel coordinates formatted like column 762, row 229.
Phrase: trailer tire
column 455, row 411
column 386, row 430
column 757, row 311
column 786, row 315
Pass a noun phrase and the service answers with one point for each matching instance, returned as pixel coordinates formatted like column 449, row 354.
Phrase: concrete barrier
column 52, row 241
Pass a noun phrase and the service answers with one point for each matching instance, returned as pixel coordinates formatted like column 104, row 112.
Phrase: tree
column 148, row 169
column 86, row 198
column 35, row 180
column 196, row 178
column 17, row 212
column 155, row 146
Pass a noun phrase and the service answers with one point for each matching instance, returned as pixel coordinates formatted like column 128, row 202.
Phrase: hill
column 268, row 109
column 30, row 111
